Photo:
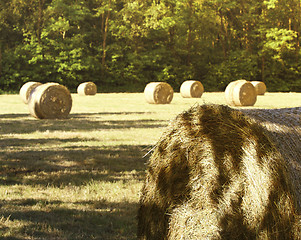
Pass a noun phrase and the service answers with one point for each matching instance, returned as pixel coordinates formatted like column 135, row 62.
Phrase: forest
column 121, row 45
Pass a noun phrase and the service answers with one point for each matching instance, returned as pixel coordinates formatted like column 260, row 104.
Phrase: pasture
column 80, row 178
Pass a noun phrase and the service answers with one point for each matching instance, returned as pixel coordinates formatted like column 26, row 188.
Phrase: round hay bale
column 158, row 93
column 240, row 93
column 260, row 87
column 219, row 173
column 87, row 88
column 50, row 101
column 191, row 89
column 26, row 89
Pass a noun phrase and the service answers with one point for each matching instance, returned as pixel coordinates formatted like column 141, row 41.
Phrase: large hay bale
column 240, row 93
column 220, row 173
column 87, row 88
column 26, row 89
column 260, row 87
column 192, row 89
column 50, row 101
column 158, row 93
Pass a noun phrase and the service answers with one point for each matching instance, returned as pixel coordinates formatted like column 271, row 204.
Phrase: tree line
column 121, row 45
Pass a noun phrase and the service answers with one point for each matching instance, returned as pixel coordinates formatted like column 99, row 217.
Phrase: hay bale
column 158, row 93
column 260, row 87
column 240, row 93
column 191, row 89
column 220, row 173
column 283, row 126
column 50, row 101
column 26, row 89
column 87, row 88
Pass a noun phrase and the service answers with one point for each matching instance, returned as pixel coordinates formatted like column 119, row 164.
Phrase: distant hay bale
column 87, row 88
column 240, row 93
column 191, row 89
column 260, row 87
column 50, row 101
column 26, row 89
column 158, row 93
column 221, row 173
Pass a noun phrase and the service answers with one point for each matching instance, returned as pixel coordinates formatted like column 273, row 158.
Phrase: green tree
column 124, row 44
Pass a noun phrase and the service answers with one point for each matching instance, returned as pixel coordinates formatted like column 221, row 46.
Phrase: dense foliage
column 123, row 44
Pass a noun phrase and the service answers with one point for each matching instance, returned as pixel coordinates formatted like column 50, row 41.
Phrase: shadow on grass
column 81, row 115
column 72, row 166
column 84, row 220
column 93, row 219
column 13, row 115
column 19, row 123
column 73, row 115
column 31, row 163
column 10, row 238
column 21, row 142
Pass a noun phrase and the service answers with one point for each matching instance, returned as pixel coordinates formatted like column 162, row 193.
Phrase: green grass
column 80, row 178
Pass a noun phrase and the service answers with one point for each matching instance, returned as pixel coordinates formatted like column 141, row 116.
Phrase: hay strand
column 220, row 173
column 50, row 101
column 283, row 126
column 158, row 93
column 191, row 89
column 260, row 87
column 87, row 88
column 26, row 90
column 240, row 93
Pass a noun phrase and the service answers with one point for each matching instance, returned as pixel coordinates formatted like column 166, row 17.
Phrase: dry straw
column 158, row 93
column 260, row 87
column 26, row 90
column 191, row 89
column 87, row 88
column 50, row 101
column 220, row 173
column 240, row 93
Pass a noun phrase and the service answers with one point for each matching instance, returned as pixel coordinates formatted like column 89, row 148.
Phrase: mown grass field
column 80, row 178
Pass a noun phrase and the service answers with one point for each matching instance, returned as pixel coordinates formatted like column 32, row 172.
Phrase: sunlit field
column 79, row 178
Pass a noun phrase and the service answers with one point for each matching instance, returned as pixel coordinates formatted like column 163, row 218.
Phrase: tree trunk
column 0, row 60
column 189, row 34
column 105, row 24
column 40, row 20
column 223, row 35
column 262, row 68
column 298, row 29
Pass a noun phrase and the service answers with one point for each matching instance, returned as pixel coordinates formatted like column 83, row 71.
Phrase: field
column 80, row 178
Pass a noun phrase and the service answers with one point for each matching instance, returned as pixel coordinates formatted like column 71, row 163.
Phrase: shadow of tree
column 74, row 115
column 20, row 123
column 62, row 162
column 54, row 220
column 74, row 166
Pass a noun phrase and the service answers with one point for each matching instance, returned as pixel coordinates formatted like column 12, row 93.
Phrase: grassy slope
column 80, row 178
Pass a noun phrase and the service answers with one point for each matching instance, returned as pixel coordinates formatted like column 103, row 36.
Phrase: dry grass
column 79, row 178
